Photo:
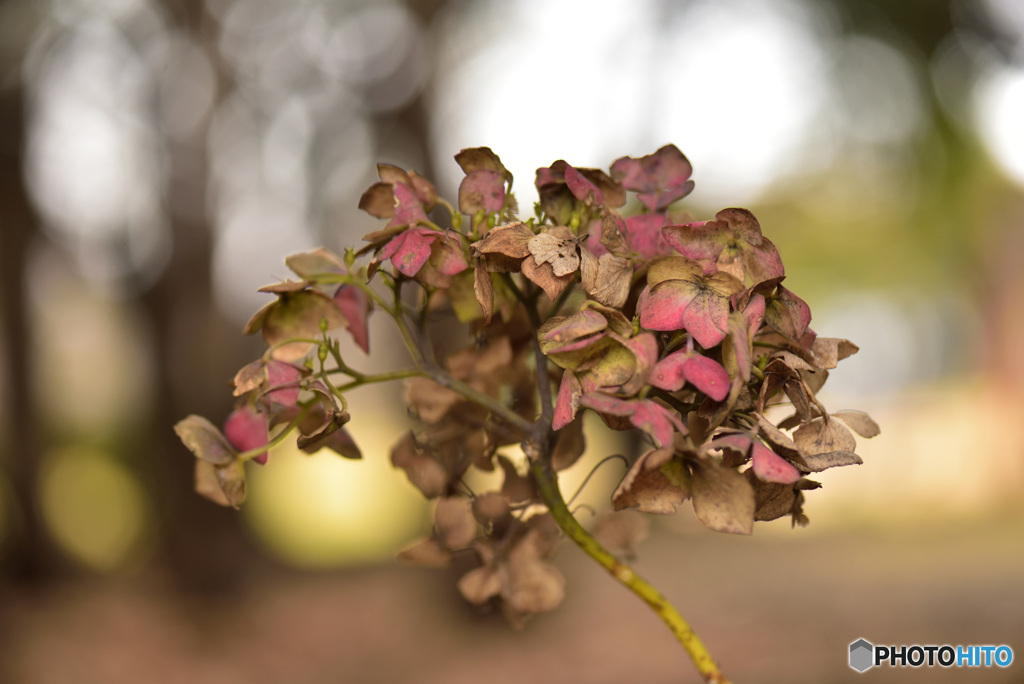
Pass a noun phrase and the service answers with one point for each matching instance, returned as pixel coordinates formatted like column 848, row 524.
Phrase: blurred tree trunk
column 29, row 554
column 196, row 352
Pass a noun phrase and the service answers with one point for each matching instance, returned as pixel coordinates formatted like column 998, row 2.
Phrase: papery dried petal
column 723, row 500
column 511, row 240
column 454, row 523
column 861, row 422
column 204, row 440
column 561, row 252
column 427, row 553
column 823, row 435
column 787, row 313
column 621, row 531
column 648, row 488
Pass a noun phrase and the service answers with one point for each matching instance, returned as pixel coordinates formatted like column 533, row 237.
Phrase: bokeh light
column 1000, row 111
column 96, row 508
column 323, row 511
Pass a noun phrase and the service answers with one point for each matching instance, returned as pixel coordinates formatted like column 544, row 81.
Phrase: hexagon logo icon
column 862, row 654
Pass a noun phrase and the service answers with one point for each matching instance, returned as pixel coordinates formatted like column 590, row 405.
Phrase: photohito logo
column 864, row 655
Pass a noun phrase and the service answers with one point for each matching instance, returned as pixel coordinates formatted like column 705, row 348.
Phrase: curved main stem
column 547, row 483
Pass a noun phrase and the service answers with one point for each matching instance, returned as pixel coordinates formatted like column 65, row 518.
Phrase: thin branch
column 540, row 361
column 552, row 496
column 593, row 470
column 399, row 315
column 445, row 379
column 361, row 380
column 277, row 440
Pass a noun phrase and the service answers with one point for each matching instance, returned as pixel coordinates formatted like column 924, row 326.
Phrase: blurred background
column 159, row 158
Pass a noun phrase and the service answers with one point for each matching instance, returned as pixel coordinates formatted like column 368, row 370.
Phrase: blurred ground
column 793, row 601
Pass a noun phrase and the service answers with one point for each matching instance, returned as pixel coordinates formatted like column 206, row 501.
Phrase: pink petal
column 707, row 375
column 354, row 306
column 286, row 376
column 448, row 257
column 568, row 401
column 644, row 236
column 706, row 318
column 604, row 403
column 655, row 420
column 662, row 308
column 411, row 250
column 482, row 189
column 246, row 429
column 581, row 188
column 668, row 373
column 408, row 210
column 770, row 467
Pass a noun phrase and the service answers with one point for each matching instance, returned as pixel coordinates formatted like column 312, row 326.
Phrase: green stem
column 276, row 441
column 547, row 484
column 399, row 315
column 540, row 361
column 360, row 379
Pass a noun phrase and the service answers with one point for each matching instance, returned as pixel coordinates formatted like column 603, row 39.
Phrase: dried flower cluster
column 678, row 329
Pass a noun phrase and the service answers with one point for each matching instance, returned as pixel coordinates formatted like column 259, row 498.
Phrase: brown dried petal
column 425, row 473
column 207, row 485
column 509, row 240
column 621, row 531
column 286, row 287
column 544, row 277
column 570, row 445
column 389, row 173
column 319, row 261
column 829, row 351
column 560, row 330
column 490, row 506
column 204, row 440
column 249, row 377
column 647, row 488
column 474, row 363
column 530, row 584
column 723, row 499
column 426, row 553
column 777, row 438
column 378, row 200
column 483, row 288
column 606, row 279
column 231, row 478
column 428, row 400
column 861, row 422
column 823, row 435
column 672, row 268
column 454, row 522
column 516, row 488
column 792, row 361
column 831, row 459
column 481, row 584
column 561, row 252
column 771, row 500
column 299, row 315
column 474, row 158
